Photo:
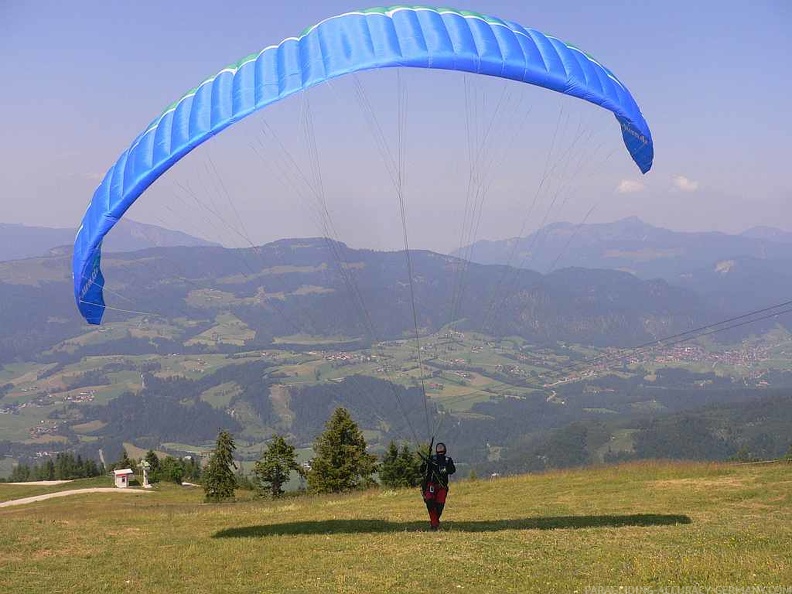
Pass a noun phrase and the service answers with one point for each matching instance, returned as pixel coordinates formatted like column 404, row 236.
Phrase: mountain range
column 322, row 288
column 630, row 245
column 20, row 241
column 318, row 287
column 738, row 273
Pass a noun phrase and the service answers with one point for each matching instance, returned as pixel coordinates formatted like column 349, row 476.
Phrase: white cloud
column 685, row 184
column 629, row 186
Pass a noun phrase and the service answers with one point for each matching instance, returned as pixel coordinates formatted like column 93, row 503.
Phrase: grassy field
column 650, row 524
column 228, row 330
column 9, row 491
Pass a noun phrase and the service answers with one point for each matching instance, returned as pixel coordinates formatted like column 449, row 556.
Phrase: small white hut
column 123, row 477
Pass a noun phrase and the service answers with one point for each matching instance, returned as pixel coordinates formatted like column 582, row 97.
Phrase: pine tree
column 277, row 462
column 409, row 467
column 341, row 462
column 153, row 460
column 49, row 470
column 20, row 474
column 389, row 468
column 153, row 466
column 219, row 480
column 123, row 462
column 400, row 468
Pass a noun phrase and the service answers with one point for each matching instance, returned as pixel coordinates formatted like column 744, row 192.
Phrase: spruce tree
column 49, row 470
column 409, row 467
column 341, row 462
column 154, row 466
column 123, row 462
column 400, row 468
column 219, row 480
column 153, row 460
column 389, row 468
column 277, row 462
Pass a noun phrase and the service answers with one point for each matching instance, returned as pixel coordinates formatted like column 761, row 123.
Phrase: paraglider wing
column 402, row 36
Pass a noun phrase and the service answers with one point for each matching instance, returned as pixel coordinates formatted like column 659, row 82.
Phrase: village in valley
column 452, row 363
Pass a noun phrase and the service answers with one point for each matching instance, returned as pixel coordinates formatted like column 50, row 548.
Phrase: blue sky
column 712, row 78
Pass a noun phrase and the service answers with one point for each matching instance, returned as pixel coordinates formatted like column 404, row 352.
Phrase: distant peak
column 768, row 233
column 632, row 221
column 559, row 225
column 295, row 243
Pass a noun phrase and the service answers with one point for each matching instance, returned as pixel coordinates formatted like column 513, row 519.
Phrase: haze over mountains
column 676, row 281
column 699, row 260
column 630, row 245
column 320, row 288
column 736, row 272
column 20, row 241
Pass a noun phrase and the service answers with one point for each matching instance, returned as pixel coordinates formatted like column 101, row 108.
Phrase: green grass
column 16, row 427
column 188, row 448
column 462, row 402
column 621, row 441
column 220, row 396
column 319, row 341
column 228, row 330
column 648, row 524
column 10, row 371
column 192, row 366
column 17, row 491
column 104, row 394
column 138, row 453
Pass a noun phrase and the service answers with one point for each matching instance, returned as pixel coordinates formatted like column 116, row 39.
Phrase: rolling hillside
column 318, row 288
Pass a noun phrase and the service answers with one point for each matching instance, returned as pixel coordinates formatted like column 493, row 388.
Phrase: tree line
column 65, row 466
column 161, row 469
column 341, row 464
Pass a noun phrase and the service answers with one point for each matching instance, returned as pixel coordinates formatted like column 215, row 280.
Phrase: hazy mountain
column 768, row 233
column 20, row 241
column 741, row 284
column 630, row 245
column 320, row 288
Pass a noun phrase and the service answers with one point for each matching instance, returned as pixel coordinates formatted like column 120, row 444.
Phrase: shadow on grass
column 372, row 526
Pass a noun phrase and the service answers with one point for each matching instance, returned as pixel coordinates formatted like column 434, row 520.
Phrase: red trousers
column 435, row 497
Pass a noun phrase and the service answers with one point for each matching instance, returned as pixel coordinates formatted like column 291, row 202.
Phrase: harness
column 433, row 474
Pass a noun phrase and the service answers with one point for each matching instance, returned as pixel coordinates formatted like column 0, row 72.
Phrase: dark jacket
column 436, row 469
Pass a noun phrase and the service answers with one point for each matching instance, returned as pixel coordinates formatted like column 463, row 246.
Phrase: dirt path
column 26, row 483
column 34, row 498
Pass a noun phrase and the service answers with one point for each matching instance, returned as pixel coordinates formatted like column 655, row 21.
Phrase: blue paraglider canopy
column 400, row 36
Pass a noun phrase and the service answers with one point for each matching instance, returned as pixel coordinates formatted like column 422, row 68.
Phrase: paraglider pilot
column 435, row 470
